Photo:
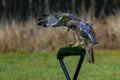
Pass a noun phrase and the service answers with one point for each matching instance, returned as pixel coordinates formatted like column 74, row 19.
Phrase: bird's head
column 72, row 24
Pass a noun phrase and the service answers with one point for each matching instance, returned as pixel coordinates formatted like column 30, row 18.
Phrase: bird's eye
column 71, row 26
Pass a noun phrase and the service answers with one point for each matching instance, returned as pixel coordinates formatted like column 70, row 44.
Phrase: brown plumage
column 84, row 33
column 82, row 39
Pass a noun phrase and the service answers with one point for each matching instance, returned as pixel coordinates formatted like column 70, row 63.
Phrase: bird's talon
column 71, row 45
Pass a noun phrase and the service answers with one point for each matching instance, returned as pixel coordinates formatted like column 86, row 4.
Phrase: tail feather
column 91, row 55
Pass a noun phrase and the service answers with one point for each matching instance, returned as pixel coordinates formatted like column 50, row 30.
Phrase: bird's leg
column 79, row 41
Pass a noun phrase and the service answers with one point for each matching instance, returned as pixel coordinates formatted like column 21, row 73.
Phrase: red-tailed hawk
column 84, row 33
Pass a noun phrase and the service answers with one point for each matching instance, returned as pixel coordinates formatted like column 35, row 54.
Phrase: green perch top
column 68, row 51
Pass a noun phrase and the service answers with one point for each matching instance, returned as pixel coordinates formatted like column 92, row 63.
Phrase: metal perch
column 71, row 51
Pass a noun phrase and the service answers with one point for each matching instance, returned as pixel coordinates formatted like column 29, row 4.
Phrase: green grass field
column 45, row 66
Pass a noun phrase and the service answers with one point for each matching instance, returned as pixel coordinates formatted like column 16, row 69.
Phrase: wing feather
column 89, row 32
column 57, row 19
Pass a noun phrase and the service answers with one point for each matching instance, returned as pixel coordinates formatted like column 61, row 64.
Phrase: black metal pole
column 79, row 66
column 64, row 69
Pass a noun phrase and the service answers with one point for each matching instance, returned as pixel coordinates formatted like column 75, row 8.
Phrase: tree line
column 23, row 9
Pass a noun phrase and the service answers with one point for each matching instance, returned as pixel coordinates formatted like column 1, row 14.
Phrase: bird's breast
column 79, row 32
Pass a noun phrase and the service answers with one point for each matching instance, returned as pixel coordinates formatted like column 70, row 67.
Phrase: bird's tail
column 90, row 54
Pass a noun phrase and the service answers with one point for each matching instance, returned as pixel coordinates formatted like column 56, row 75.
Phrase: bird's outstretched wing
column 56, row 20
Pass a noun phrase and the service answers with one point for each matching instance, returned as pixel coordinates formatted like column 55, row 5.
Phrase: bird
column 84, row 33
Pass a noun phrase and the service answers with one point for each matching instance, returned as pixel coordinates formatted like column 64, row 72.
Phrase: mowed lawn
column 45, row 66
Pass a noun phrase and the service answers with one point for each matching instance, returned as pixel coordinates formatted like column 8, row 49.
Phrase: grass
column 44, row 66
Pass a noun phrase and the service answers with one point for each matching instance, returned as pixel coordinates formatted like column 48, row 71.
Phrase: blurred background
column 18, row 29
column 28, row 51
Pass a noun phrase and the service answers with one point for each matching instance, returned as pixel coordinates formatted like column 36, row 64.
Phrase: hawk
column 84, row 33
